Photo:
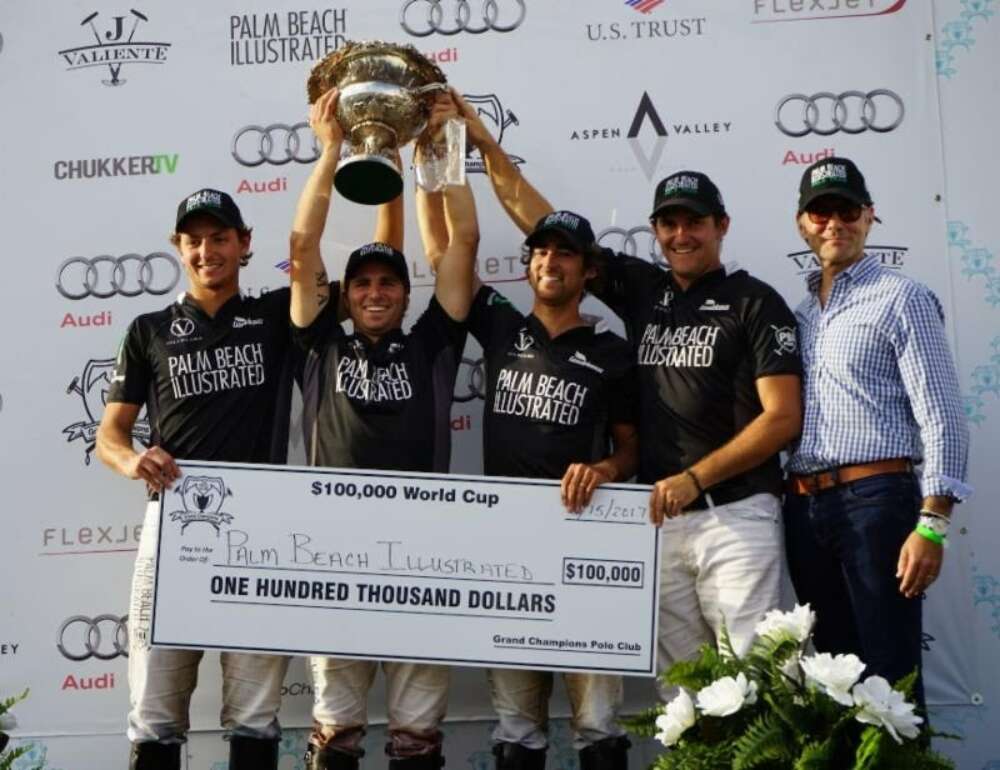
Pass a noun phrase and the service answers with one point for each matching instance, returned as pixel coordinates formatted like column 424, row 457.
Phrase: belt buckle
column 811, row 482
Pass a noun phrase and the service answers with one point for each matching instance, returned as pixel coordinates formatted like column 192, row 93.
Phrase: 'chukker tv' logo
column 119, row 41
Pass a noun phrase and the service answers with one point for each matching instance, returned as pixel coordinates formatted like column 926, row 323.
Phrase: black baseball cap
column 833, row 176
column 215, row 203
column 572, row 227
column 690, row 190
column 377, row 252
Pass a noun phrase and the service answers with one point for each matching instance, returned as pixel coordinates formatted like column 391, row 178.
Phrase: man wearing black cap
column 718, row 398
column 212, row 370
column 377, row 398
column 864, row 533
column 558, row 395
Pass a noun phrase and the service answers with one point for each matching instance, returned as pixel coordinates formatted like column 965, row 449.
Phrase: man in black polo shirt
column 719, row 379
column 719, row 376
column 212, row 370
column 377, row 398
column 557, row 394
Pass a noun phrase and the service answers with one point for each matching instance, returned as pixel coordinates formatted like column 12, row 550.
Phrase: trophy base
column 368, row 179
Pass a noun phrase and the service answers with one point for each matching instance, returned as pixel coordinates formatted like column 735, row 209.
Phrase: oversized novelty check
column 461, row 570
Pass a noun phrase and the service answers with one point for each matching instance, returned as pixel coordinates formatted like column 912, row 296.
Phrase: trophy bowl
column 385, row 95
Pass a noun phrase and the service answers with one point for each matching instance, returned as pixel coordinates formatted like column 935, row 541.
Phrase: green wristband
column 930, row 534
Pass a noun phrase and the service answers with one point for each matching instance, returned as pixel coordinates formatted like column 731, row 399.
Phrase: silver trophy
column 386, row 91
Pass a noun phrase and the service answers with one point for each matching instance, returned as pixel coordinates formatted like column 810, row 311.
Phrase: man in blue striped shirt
column 865, row 527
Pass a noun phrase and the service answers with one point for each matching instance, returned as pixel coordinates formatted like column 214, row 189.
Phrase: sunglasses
column 819, row 213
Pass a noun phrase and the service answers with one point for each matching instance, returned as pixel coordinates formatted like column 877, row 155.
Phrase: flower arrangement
column 777, row 708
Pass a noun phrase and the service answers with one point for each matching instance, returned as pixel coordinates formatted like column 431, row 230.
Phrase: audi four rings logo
column 852, row 112
column 128, row 275
column 425, row 17
column 276, row 144
column 475, row 381
column 104, row 637
column 635, row 242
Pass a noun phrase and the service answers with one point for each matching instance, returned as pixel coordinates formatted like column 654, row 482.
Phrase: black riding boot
column 327, row 758
column 253, row 753
column 432, row 761
column 514, row 756
column 150, row 755
column 606, row 754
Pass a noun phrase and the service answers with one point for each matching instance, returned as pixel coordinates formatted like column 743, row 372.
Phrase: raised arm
column 389, row 222
column 310, row 284
column 522, row 202
column 453, row 281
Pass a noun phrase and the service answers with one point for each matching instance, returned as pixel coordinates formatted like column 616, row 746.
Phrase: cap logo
column 376, row 248
column 830, row 173
column 562, row 219
column 204, row 198
column 680, row 183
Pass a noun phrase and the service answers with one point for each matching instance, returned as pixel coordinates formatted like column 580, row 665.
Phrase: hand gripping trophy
column 386, row 91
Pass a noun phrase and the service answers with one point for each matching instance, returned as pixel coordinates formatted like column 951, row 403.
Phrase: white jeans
column 521, row 700
column 161, row 681
column 416, row 699
column 720, row 566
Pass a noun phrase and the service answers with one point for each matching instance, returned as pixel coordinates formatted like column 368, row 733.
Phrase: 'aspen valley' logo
column 650, row 129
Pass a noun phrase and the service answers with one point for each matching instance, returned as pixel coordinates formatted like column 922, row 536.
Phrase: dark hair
column 241, row 232
column 590, row 253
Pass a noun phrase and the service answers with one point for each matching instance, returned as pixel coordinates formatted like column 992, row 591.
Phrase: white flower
column 7, row 721
column 836, row 674
column 797, row 624
column 678, row 717
column 882, row 705
column 726, row 696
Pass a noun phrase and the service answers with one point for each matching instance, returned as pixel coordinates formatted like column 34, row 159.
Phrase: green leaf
column 816, row 756
column 763, row 741
column 869, row 751
column 906, row 684
column 8, row 703
column 642, row 724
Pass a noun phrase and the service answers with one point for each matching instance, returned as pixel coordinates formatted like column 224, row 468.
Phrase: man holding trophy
column 377, row 398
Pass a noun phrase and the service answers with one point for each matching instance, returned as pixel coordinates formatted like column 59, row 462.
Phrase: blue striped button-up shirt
column 879, row 379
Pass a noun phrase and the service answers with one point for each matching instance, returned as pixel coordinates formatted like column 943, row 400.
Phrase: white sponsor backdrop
column 111, row 113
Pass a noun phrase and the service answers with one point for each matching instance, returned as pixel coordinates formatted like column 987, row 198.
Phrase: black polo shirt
column 215, row 388
column 699, row 354
column 384, row 406
column 549, row 402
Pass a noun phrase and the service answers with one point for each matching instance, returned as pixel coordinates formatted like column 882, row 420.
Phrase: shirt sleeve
column 492, row 318
column 622, row 280
column 931, row 382
column 773, row 335
column 132, row 375
column 438, row 330
column 322, row 330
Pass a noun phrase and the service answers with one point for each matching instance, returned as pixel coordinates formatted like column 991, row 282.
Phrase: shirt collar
column 226, row 310
column 382, row 346
column 538, row 330
column 860, row 270
column 705, row 281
